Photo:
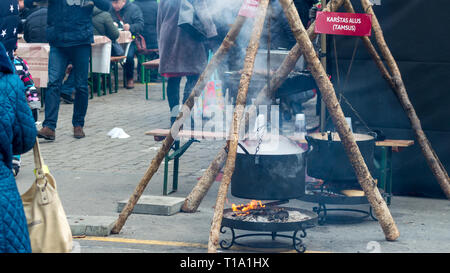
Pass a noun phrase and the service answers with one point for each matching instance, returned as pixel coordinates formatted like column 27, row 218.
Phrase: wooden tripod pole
column 186, row 108
column 197, row 194
column 399, row 87
column 329, row 96
column 241, row 99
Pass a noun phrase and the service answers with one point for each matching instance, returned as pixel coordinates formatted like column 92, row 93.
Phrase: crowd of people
column 68, row 26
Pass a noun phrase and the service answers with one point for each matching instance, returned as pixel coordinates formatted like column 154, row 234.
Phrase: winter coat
column 132, row 15
column 17, row 136
column 149, row 10
column 9, row 24
column 104, row 24
column 34, row 29
column 70, row 24
column 179, row 52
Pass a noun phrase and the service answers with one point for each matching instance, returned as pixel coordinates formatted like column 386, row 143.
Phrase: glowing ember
column 242, row 209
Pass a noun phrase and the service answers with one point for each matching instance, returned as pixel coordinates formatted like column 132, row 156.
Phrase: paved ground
column 96, row 172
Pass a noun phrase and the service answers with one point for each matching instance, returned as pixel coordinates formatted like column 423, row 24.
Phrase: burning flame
column 245, row 209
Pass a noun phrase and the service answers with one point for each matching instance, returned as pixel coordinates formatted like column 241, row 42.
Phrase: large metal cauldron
column 327, row 159
column 276, row 172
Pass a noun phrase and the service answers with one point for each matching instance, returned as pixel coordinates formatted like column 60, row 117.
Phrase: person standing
column 70, row 35
column 181, row 55
column 129, row 17
column 103, row 25
column 17, row 136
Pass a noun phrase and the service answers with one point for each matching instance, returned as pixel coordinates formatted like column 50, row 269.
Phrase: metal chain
column 260, row 139
column 341, row 95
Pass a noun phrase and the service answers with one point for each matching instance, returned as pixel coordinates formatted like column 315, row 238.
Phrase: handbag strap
column 40, row 167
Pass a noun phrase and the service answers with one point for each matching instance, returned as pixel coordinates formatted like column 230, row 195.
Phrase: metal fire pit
column 271, row 229
column 323, row 198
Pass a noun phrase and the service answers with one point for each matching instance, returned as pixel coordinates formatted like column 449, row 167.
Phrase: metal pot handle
column 310, row 140
column 242, row 147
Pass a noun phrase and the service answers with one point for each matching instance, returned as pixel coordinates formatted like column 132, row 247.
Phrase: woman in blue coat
column 17, row 136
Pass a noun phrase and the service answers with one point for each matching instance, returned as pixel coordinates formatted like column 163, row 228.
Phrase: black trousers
column 173, row 92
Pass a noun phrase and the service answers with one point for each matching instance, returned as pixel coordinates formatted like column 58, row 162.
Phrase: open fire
column 242, row 209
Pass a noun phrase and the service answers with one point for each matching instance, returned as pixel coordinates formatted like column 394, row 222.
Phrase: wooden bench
column 384, row 165
column 148, row 66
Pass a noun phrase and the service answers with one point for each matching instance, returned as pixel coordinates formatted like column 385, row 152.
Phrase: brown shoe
column 130, row 84
column 46, row 133
column 78, row 132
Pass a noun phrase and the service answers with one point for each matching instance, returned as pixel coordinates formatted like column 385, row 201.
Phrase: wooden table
column 36, row 55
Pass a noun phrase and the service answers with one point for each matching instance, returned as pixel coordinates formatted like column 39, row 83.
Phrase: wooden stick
column 197, row 194
column 236, row 122
column 365, row 179
column 184, row 113
column 399, row 87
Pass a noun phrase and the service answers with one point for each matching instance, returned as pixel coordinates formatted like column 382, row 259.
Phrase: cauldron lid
column 271, row 145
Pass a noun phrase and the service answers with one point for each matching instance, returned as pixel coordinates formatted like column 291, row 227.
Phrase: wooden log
column 197, row 194
column 365, row 179
column 227, row 43
column 399, row 87
column 241, row 99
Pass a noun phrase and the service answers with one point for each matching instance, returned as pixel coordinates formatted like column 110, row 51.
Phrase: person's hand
column 126, row 27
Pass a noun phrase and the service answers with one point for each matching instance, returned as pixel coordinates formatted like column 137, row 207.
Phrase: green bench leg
column 175, row 156
column 142, row 59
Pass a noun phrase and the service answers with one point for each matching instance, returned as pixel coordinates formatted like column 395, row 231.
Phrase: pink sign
column 340, row 23
column 249, row 8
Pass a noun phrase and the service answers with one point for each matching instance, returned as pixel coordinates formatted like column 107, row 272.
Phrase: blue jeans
column 59, row 58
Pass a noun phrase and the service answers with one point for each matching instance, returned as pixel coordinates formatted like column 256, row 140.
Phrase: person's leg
column 173, row 96
column 58, row 60
column 129, row 66
column 80, row 60
column 190, row 84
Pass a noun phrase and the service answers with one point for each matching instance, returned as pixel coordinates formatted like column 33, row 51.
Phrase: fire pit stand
column 271, row 229
column 323, row 198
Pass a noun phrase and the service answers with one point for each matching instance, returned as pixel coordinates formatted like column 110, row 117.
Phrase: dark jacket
column 104, row 24
column 34, row 29
column 179, row 52
column 149, row 10
column 9, row 25
column 17, row 136
column 132, row 15
column 70, row 25
column 280, row 31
